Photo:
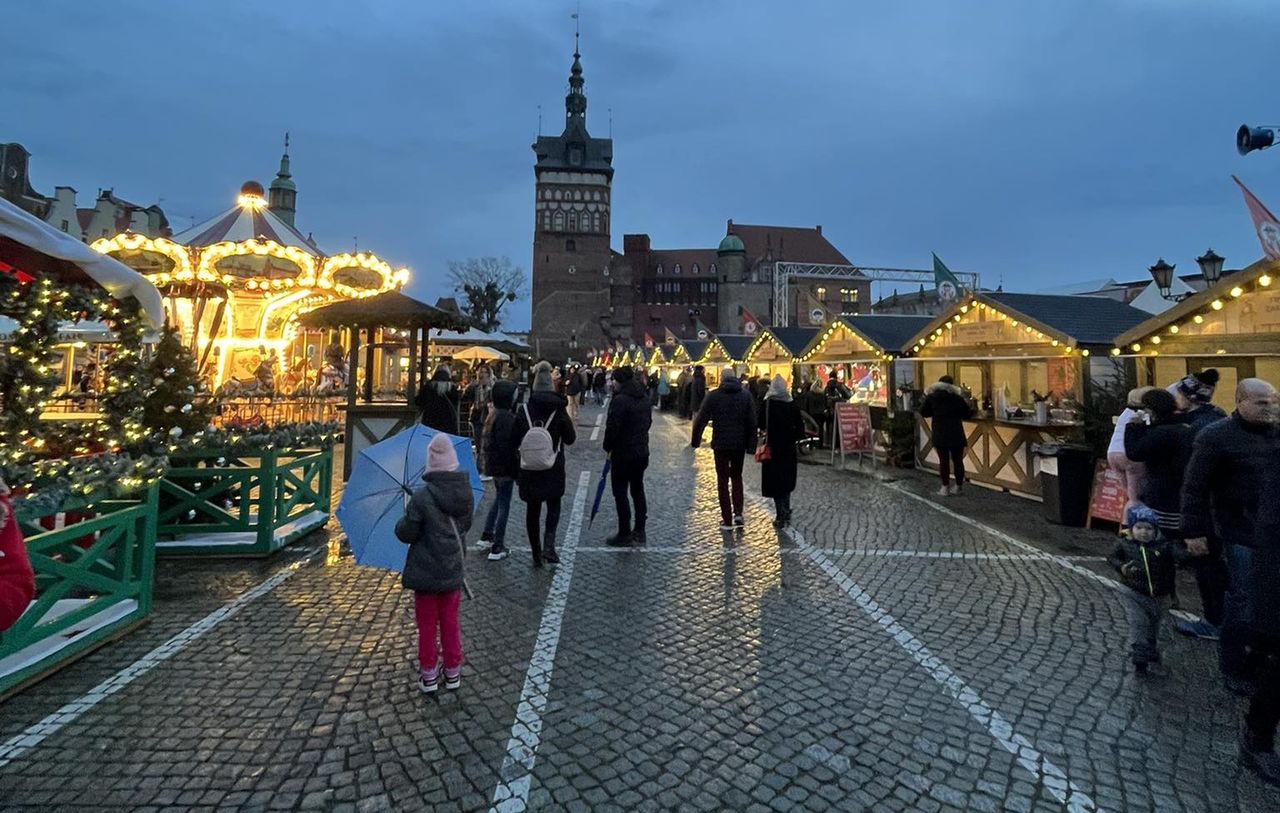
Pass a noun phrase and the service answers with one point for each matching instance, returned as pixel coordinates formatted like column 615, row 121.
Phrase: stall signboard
column 1109, row 496
column 988, row 332
column 853, row 429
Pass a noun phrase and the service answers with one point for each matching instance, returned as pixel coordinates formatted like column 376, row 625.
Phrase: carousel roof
column 390, row 309
column 250, row 218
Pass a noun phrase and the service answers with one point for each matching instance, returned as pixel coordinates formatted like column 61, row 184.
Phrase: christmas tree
column 174, row 407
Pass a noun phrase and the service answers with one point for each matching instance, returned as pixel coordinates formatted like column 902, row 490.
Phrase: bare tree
column 489, row 284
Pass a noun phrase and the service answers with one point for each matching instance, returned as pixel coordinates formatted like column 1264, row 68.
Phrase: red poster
column 854, row 422
column 1109, row 495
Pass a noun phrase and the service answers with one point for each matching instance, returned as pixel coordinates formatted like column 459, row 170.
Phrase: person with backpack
column 732, row 415
column 541, row 430
column 503, row 460
column 626, row 441
column 438, row 515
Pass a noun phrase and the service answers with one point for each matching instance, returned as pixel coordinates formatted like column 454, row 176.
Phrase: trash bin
column 1066, row 477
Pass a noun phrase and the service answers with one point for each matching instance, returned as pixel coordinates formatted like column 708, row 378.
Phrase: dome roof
column 252, row 188
column 731, row 243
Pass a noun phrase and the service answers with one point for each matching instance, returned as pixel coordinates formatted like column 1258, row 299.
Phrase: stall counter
column 999, row 453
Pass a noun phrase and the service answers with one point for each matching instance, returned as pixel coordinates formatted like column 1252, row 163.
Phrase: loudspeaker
column 1249, row 138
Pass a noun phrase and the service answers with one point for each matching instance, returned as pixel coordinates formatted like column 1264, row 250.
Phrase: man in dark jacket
column 539, row 488
column 732, row 415
column 697, row 389
column 946, row 404
column 503, row 460
column 1257, row 748
column 1220, row 504
column 438, row 402
column 1159, row 439
column 626, row 441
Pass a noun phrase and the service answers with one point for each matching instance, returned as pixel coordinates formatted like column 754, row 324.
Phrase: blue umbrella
column 604, row 475
column 383, row 477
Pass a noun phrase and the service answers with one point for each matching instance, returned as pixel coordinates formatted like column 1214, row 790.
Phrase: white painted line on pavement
column 595, row 433
column 16, row 746
column 1036, row 553
column 1037, row 764
column 512, row 794
column 874, row 553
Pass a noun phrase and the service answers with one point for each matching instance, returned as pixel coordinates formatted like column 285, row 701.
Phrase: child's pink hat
column 440, row 455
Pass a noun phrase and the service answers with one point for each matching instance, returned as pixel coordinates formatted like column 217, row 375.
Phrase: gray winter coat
column 434, row 561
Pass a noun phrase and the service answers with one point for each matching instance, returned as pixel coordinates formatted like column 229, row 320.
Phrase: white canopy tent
column 117, row 278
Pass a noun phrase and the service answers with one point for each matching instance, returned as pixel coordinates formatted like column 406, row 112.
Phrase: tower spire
column 575, row 103
column 283, row 195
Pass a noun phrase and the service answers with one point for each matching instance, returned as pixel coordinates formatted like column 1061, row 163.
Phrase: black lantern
column 573, row 341
column 1211, row 266
column 1162, row 273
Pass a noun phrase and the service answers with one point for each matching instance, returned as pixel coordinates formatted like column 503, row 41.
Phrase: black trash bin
column 1066, row 478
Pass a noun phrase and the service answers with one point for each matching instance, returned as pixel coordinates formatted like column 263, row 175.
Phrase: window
column 595, row 221
column 676, row 270
column 822, row 293
column 557, row 193
column 546, row 221
column 659, row 271
column 848, row 300
column 695, row 268
column 570, row 245
column 573, row 269
column 573, row 221
column 577, row 194
column 65, row 225
column 712, row 269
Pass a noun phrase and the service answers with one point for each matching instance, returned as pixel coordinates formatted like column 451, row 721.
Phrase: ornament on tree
column 175, row 432
column 168, row 371
column 221, row 461
column 191, row 515
column 170, row 408
column 157, row 381
column 186, row 409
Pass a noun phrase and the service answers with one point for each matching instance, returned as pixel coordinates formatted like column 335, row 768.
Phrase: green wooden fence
column 219, row 504
column 94, row 580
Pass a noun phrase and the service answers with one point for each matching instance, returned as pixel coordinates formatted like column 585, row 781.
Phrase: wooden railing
column 94, row 580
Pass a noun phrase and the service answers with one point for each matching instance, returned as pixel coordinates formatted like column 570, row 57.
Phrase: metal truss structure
column 783, row 273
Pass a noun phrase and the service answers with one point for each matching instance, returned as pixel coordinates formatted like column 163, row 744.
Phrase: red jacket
column 17, row 579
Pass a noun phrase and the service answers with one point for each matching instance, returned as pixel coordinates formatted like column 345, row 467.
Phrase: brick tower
column 571, row 256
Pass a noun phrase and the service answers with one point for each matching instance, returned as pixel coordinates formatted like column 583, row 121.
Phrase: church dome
column 731, row 244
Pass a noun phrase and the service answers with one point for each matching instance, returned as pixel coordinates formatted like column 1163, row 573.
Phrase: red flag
column 750, row 324
column 1266, row 224
column 648, row 342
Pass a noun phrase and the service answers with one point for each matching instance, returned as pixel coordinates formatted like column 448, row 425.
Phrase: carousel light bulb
column 1155, row 340
column 1237, row 291
column 1264, row 280
column 1173, row 328
column 1216, row 304
column 1198, row 319
column 1136, row 347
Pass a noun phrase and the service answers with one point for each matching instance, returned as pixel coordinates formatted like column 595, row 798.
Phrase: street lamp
column 1162, row 273
column 1211, row 267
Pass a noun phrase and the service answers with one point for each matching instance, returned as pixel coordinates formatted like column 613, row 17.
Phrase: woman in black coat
column 537, row 488
column 783, row 428
column 1162, row 441
column 946, row 404
column 437, row 401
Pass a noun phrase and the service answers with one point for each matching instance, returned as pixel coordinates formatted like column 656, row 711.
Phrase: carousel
column 235, row 286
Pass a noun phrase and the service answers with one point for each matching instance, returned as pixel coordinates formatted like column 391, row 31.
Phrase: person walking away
column 815, row 403
column 1257, row 746
column 1159, row 439
column 683, row 383
column 438, row 515
column 597, row 386
column 732, row 416
column 17, row 578
column 945, row 403
column 437, row 401
column 1146, row 561
column 697, row 389
column 480, row 395
column 1194, row 395
column 664, row 392
column 783, row 428
column 626, row 442
column 574, row 390
column 503, row 465
column 1220, row 505
column 651, row 384
column 541, row 431
column 1130, row 470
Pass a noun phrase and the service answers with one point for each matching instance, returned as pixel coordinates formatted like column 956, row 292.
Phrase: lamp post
column 1162, row 272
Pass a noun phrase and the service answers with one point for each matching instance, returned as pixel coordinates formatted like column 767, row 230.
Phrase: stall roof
column 390, row 309
column 1198, row 303
column 49, row 250
column 696, row 349
column 889, row 332
column 1084, row 320
column 793, row 339
column 735, row 345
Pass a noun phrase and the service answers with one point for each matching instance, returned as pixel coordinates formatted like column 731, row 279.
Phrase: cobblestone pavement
column 886, row 655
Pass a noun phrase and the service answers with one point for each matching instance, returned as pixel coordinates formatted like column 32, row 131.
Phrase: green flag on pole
column 945, row 282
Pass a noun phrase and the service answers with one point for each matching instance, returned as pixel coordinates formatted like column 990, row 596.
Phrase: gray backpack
column 538, row 451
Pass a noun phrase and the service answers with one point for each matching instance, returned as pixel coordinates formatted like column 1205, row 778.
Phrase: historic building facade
column 580, row 299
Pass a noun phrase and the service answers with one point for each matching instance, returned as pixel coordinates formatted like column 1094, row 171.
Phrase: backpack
column 538, row 451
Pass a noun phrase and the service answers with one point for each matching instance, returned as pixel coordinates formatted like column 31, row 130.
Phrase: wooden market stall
column 369, row 419
column 860, row 351
column 1233, row 326
column 1008, row 351
column 774, row 351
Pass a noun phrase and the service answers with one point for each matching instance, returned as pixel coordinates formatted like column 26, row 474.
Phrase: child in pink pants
column 437, row 517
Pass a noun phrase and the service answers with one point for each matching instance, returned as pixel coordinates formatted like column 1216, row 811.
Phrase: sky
column 1037, row 144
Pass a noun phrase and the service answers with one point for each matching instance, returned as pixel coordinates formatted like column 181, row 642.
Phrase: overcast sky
column 1035, row 143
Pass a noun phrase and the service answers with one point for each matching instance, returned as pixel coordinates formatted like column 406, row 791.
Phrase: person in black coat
column 1194, row 394
column 626, row 441
column 813, row 400
column 945, row 403
column 503, row 460
column 437, row 401
column 783, row 428
column 539, row 488
column 697, row 389
column 732, row 416
column 1162, row 441
column 1257, row 749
